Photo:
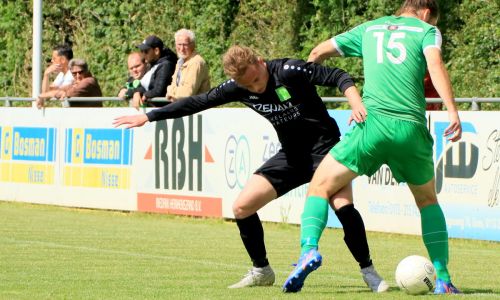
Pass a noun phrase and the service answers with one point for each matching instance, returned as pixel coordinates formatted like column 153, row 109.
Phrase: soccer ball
column 415, row 275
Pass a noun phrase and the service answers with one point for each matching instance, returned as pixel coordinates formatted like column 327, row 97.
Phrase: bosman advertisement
column 198, row 165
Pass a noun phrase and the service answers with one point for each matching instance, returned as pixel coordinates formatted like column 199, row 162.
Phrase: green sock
column 435, row 236
column 314, row 220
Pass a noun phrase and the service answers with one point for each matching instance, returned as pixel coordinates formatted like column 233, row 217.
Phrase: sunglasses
column 77, row 72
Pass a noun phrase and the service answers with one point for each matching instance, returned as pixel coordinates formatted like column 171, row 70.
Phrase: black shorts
column 286, row 173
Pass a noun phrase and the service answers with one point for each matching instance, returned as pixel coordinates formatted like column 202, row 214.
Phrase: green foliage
column 104, row 32
column 15, row 48
column 474, row 59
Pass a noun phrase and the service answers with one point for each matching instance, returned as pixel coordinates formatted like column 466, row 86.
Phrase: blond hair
column 237, row 59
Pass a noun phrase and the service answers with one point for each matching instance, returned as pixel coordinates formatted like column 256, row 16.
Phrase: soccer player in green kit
column 391, row 128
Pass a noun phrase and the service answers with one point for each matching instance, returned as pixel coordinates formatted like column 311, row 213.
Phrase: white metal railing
column 475, row 101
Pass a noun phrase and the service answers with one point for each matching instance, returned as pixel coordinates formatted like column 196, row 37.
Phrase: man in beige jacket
column 191, row 75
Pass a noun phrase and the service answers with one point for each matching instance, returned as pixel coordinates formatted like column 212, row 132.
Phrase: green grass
column 49, row 252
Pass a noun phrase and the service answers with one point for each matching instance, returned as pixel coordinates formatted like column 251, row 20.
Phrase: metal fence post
column 475, row 106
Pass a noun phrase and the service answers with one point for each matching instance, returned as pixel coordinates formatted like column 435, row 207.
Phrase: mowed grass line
column 50, row 252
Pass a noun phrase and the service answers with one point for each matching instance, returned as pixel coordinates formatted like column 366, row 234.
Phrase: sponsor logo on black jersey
column 269, row 108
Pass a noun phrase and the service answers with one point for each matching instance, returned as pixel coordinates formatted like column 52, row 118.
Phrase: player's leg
column 355, row 237
column 411, row 161
column 328, row 179
column 257, row 193
column 434, row 233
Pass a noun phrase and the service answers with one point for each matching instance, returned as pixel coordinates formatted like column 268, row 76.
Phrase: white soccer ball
column 415, row 275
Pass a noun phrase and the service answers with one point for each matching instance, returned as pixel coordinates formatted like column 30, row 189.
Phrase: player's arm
column 323, row 51
column 183, row 107
column 442, row 83
column 335, row 77
column 358, row 113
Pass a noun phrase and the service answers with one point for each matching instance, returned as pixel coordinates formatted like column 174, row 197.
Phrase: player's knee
column 240, row 212
column 421, row 203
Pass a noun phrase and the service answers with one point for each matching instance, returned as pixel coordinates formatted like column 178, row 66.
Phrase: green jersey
column 394, row 63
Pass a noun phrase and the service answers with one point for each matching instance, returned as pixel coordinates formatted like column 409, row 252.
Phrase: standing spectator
column 85, row 85
column 136, row 68
column 162, row 66
column 191, row 73
column 61, row 55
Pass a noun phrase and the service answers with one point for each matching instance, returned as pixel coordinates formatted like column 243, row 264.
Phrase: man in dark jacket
column 162, row 63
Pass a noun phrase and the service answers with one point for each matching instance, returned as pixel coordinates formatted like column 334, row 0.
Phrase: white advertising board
column 197, row 165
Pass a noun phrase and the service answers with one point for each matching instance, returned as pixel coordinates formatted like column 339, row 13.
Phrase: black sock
column 354, row 234
column 252, row 235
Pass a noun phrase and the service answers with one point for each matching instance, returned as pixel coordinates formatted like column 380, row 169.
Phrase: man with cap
column 162, row 63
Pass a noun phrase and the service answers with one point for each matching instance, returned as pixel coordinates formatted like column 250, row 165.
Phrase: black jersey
column 290, row 103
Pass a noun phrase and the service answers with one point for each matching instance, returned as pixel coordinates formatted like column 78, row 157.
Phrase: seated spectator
column 191, row 72
column 136, row 68
column 85, row 85
column 162, row 66
column 61, row 55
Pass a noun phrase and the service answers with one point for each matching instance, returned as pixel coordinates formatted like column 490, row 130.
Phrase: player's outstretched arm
column 442, row 83
column 131, row 121
column 358, row 113
column 323, row 51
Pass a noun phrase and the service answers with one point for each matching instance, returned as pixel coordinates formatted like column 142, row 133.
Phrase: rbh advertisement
column 197, row 165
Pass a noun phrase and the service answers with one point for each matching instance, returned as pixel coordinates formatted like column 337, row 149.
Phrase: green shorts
column 405, row 146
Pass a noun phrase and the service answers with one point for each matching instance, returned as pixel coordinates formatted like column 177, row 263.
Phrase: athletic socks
column 435, row 236
column 314, row 220
column 252, row 235
column 355, row 234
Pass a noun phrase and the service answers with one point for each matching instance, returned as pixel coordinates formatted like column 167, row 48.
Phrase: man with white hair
column 191, row 73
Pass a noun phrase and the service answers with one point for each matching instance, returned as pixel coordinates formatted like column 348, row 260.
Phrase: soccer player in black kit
column 284, row 92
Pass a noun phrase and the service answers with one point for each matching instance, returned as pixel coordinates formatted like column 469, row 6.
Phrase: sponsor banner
column 175, row 163
column 98, row 157
column 467, row 183
column 240, row 149
column 198, row 165
column 180, row 204
column 468, row 175
column 43, row 159
column 27, row 154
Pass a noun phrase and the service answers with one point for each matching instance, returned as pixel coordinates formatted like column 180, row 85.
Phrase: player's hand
column 131, row 121
column 454, row 131
column 358, row 114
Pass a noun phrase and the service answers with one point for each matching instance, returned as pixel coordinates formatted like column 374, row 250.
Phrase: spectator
column 191, row 72
column 430, row 92
column 85, row 85
column 162, row 66
column 61, row 55
column 136, row 68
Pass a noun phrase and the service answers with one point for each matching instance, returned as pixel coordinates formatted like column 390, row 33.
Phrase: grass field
column 49, row 252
